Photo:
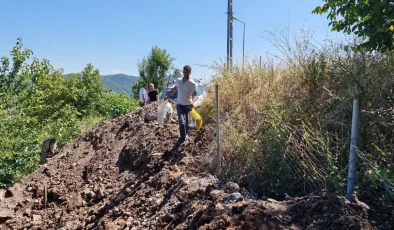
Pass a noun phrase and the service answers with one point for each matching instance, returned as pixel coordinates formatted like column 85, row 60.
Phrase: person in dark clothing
column 153, row 94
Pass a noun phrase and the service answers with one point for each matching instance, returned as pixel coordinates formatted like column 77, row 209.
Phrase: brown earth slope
column 127, row 174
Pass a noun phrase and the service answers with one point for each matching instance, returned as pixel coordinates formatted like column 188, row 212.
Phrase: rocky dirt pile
column 128, row 174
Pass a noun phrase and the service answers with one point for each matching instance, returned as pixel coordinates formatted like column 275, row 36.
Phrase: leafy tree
column 177, row 73
column 37, row 102
column 154, row 68
column 10, row 80
column 370, row 20
column 91, row 90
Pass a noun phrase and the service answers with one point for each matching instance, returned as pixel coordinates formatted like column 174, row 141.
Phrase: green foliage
column 370, row 20
column 37, row 102
column 117, row 104
column 177, row 73
column 10, row 80
column 154, row 68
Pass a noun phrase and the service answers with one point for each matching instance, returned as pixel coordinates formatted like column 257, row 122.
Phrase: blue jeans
column 183, row 112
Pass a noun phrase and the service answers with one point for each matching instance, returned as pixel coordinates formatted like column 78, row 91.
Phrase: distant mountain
column 117, row 82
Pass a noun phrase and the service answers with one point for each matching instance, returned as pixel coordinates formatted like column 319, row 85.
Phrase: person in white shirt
column 143, row 95
column 186, row 88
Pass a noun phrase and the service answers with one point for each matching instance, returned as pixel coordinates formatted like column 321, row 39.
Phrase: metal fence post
column 217, row 130
column 353, row 154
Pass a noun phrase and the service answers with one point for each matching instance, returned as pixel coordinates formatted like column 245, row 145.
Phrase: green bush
column 38, row 102
column 116, row 104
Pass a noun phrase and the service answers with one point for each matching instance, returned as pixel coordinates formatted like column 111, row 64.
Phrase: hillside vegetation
column 37, row 102
column 285, row 124
column 120, row 83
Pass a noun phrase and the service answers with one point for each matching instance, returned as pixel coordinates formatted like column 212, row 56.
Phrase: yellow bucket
column 197, row 117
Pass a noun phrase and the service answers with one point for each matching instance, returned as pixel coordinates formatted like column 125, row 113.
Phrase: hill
column 117, row 82
column 127, row 174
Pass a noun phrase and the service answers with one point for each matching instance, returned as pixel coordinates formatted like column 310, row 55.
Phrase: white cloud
column 116, row 71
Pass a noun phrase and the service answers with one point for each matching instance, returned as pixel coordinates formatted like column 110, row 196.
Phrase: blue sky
column 114, row 35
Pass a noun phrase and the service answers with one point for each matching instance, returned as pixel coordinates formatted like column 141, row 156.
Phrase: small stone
column 37, row 219
column 219, row 207
column 216, row 194
column 158, row 201
column 233, row 187
column 129, row 221
column 128, row 190
column 236, row 196
column 121, row 223
column 6, row 214
column 14, row 190
column 86, row 191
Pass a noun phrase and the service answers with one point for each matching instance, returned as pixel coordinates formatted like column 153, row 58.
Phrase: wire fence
column 29, row 154
column 274, row 157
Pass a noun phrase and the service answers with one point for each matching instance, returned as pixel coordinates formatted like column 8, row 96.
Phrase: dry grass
column 285, row 123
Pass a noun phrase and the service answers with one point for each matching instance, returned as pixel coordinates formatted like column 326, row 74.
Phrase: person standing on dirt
column 143, row 95
column 153, row 94
column 185, row 87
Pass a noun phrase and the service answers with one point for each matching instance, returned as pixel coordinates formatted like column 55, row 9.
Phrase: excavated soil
column 128, row 174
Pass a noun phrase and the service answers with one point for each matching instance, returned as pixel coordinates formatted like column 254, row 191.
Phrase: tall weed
column 285, row 123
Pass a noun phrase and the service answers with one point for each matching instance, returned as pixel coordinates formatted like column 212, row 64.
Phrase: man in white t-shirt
column 186, row 88
column 143, row 94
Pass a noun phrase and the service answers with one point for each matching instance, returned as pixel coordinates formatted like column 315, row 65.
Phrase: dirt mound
column 128, row 174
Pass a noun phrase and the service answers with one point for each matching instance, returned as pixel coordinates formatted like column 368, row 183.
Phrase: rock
column 219, row 207
column 6, row 214
column 14, row 190
column 2, row 194
column 150, row 117
column 100, row 194
column 239, row 207
column 37, row 219
column 264, row 198
column 110, row 226
column 232, row 187
column 128, row 190
column 127, row 213
column 90, row 226
column 121, row 223
column 216, row 194
column 129, row 221
column 236, row 196
column 86, row 191
column 75, row 201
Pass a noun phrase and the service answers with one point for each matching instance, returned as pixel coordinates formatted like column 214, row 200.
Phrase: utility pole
column 229, row 33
